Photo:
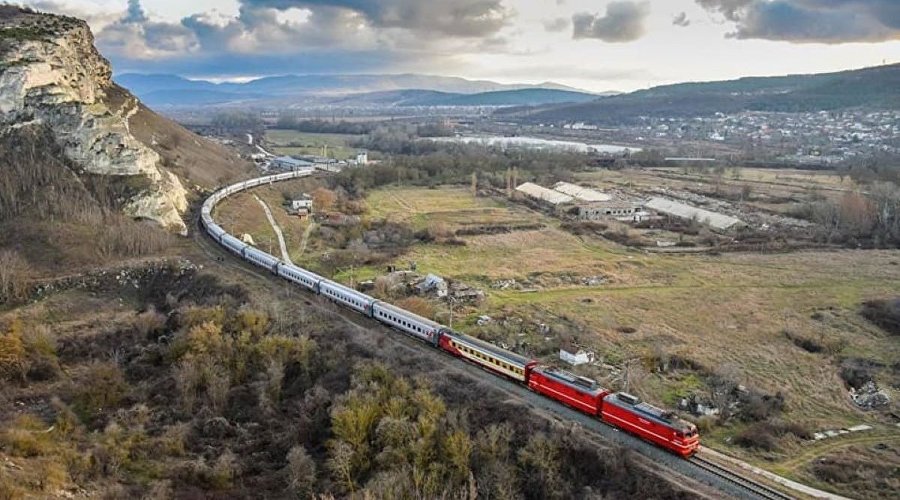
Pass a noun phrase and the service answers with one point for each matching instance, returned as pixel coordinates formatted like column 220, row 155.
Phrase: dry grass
column 292, row 142
column 727, row 312
column 455, row 207
column 196, row 160
column 781, row 184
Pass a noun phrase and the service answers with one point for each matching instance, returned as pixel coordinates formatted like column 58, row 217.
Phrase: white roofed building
column 717, row 221
column 581, row 193
column 540, row 193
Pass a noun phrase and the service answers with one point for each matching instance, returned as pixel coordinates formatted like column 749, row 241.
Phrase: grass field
column 291, row 142
column 726, row 313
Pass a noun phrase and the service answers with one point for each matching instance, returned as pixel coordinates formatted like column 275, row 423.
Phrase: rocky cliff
column 51, row 74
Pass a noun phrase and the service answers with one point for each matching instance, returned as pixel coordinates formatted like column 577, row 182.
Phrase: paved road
column 284, row 253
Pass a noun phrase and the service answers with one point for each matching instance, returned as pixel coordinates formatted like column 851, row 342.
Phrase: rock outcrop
column 51, row 74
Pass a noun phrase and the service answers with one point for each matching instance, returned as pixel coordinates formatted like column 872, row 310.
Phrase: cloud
column 623, row 22
column 455, row 18
column 811, row 21
column 681, row 20
column 556, row 25
column 297, row 36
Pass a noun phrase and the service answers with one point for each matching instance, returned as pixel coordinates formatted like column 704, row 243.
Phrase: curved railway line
column 696, row 468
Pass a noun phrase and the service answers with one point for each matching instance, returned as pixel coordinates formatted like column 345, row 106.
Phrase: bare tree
column 14, row 274
column 301, row 472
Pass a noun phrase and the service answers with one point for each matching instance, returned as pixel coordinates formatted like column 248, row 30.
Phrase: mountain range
column 397, row 90
column 870, row 88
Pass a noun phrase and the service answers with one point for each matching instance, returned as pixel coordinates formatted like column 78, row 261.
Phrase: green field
column 291, row 142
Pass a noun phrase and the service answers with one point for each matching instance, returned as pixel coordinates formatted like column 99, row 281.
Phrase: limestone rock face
column 51, row 74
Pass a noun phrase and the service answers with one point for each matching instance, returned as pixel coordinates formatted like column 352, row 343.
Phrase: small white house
column 578, row 358
column 304, row 203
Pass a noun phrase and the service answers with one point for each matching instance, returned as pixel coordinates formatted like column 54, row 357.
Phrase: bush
column 27, row 437
column 857, row 372
column 757, row 407
column 13, row 361
column 14, row 275
column 301, row 472
column 832, row 472
column 884, row 313
column 101, row 390
column 765, row 435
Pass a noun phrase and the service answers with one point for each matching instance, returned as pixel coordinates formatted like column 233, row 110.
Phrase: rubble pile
column 870, row 397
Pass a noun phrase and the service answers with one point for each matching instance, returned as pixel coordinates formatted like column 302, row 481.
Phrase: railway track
column 697, row 468
column 725, row 481
column 756, row 488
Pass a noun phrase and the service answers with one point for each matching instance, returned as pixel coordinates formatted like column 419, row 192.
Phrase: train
column 618, row 409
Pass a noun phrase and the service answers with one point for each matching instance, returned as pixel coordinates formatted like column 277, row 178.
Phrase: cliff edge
column 51, row 75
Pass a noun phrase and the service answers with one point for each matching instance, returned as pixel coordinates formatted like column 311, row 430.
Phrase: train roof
column 581, row 384
column 345, row 289
column 404, row 312
column 491, row 348
column 648, row 411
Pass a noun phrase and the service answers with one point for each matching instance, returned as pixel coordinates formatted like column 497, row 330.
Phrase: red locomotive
column 650, row 423
column 580, row 393
column 620, row 410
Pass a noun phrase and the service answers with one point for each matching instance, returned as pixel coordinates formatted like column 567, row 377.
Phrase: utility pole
column 450, row 301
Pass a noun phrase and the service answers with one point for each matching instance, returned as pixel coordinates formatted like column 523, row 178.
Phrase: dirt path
column 306, row 234
column 836, row 444
column 284, row 253
column 403, row 204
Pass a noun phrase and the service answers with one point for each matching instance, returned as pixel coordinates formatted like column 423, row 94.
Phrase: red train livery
column 652, row 424
column 580, row 393
column 621, row 410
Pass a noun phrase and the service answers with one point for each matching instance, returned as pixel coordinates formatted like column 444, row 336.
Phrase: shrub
column 27, row 436
column 301, row 472
column 833, row 472
column 765, row 435
column 102, row 389
column 13, row 362
column 757, row 407
column 221, row 475
column 884, row 313
column 417, row 305
column 14, row 275
column 857, row 372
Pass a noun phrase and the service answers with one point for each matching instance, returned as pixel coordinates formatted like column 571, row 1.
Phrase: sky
column 597, row 45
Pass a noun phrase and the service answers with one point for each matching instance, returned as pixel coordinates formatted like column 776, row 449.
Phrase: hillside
column 414, row 97
column 80, row 157
column 171, row 90
column 874, row 88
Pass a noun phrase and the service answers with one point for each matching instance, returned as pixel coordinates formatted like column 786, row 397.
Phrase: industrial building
column 581, row 193
column 717, row 221
column 619, row 210
column 540, row 193
column 291, row 164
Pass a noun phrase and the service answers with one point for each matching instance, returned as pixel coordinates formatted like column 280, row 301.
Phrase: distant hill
column 521, row 97
column 162, row 90
column 415, row 97
column 875, row 88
